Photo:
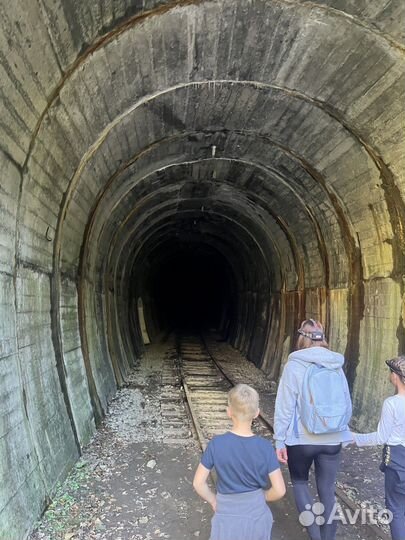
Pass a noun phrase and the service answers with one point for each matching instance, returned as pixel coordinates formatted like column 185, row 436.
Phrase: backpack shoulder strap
column 306, row 365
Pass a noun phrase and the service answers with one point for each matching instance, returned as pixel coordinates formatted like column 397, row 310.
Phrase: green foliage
column 61, row 514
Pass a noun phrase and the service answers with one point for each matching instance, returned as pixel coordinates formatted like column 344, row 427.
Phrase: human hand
column 282, row 455
column 214, row 504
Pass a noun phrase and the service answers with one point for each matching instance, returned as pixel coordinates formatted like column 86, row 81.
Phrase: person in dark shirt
column 248, row 474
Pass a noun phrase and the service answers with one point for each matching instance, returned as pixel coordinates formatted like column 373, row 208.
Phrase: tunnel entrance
column 235, row 165
column 192, row 289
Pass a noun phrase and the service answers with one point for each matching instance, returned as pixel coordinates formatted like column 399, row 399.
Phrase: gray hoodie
column 287, row 401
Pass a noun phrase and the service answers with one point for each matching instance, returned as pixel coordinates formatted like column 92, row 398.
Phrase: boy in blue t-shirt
column 245, row 465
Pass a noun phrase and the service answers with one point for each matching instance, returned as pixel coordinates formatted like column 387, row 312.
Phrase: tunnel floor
column 134, row 480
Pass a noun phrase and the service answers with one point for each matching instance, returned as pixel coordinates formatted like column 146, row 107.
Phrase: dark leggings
column 327, row 461
column 395, row 501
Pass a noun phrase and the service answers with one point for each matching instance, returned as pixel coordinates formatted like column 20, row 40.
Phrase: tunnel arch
column 283, row 119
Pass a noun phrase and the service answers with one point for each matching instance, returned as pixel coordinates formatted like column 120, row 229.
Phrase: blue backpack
column 324, row 403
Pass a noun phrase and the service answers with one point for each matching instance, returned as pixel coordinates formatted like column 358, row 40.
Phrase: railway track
column 206, row 385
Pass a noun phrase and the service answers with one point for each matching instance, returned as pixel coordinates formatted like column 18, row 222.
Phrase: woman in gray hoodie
column 299, row 447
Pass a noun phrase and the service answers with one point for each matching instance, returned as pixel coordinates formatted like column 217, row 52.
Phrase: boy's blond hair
column 243, row 401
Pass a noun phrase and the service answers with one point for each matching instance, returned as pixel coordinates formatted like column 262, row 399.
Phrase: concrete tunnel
column 189, row 164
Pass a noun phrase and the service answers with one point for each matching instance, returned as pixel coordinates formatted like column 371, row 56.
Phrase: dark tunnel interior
column 194, row 271
column 192, row 288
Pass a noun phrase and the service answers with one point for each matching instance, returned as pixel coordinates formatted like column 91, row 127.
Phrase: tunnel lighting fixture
column 213, row 150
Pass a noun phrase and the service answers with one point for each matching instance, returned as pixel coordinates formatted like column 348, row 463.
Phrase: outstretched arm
column 201, row 486
column 383, row 432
